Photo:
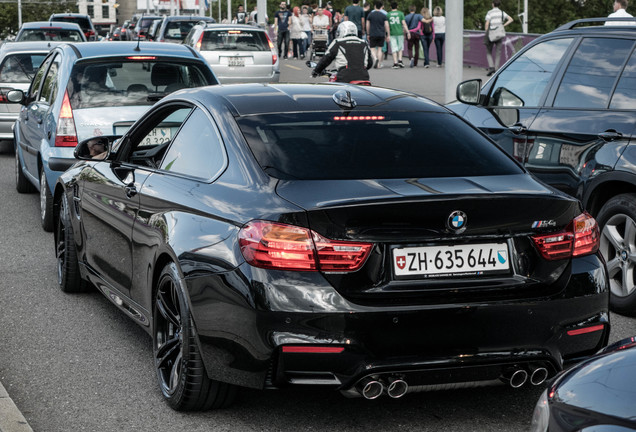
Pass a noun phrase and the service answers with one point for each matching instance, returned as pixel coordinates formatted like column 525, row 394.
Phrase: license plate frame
column 451, row 260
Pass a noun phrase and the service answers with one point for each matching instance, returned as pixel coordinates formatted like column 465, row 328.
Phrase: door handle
column 131, row 190
column 610, row 135
column 518, row 129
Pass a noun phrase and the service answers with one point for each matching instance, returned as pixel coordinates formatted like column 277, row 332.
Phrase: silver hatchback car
column 237, row 53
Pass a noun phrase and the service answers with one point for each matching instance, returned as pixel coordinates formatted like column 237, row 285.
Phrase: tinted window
column 234, row 40
column 591, row 75
column 20, row 68
column 84, row 23
column 312, row 146
column 132, row 83
column 625, row 94
column 35, row 85
column 178, row 30
column 523, row 81
column 196, row 150
column 49, row 89
column 50, row 34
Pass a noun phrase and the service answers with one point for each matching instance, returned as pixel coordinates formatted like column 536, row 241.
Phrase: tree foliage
column 31, row 11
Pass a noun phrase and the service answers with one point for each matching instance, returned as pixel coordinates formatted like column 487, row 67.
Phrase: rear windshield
column 50, row 34
column 132, row 82
column 144, row 24
column 234, row 40
column 20, row 68
column 178, row 30
column 322, row 146
column 82, row 22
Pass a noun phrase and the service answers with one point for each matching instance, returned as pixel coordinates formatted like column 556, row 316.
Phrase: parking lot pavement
column 11, row 419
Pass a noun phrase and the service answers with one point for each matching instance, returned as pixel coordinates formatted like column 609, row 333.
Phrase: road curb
column 11, row 419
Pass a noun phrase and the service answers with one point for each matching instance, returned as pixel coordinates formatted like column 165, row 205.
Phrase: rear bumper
column 226, row 77
column 6, row 125
column 242, row 341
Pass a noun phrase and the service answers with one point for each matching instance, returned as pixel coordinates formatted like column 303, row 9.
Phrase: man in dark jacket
column 351, row 54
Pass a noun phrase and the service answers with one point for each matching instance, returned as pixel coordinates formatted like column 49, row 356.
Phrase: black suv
column 565, row 107
column 84, row 21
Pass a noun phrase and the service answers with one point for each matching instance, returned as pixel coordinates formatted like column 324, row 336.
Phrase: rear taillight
column 66, row 135
column 581, row 237
column 287, row 247
column 3, row 94
column 200, row 42
column 271, row 47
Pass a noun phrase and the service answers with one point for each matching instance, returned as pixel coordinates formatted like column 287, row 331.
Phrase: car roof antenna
column 138, row 35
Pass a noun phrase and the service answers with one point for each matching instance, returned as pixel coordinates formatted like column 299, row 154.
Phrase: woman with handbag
column 496, row 20
column 427, row 34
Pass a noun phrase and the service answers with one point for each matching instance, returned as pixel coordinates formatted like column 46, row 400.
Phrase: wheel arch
column 607, row 186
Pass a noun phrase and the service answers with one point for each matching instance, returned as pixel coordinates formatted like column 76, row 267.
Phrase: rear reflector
column 280, row 246
column 312, row 349
column 581, row 237
column 586, row 330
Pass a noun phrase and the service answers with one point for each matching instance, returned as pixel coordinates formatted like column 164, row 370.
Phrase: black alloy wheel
column 180, row 369
column 68, row 274
column 617, row 221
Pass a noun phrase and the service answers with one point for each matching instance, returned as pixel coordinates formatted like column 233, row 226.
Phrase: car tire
column 617, row 221
column 68, row 273
column 179, row 365
column 46, row 204
column 22, row 184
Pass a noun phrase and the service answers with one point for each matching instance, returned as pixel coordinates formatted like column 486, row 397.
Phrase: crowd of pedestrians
column 388, row 33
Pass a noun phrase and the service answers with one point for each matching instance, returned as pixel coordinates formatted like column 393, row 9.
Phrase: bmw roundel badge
column 457, row 221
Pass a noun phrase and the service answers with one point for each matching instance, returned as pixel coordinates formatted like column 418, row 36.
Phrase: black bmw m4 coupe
column 355, row 237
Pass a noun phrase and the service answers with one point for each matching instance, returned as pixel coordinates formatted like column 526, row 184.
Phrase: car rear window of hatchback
column 82, row 22
column 370, row 145
column 234, row 40
column 20, row 68
column 50, row 34
column 140, row 81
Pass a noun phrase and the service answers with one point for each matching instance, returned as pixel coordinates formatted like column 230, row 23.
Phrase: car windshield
column 133, row 82
column 50, row 34
column 20, row 68
column 234, row 40
column 178, row 30
column 322, row 146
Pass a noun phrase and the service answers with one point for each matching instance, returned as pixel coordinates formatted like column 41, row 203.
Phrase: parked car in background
column 88, row 89
column 19, row 61
column 237, row 53
column 50, row 31
column 143, row 25
column 84, row 21
column 597, row 395
column 175, row 28
column 298, row 234
column 565, row 107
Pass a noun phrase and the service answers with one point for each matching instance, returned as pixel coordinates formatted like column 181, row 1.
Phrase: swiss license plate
column 157, row 136
column 460, row 260
column 236, row 61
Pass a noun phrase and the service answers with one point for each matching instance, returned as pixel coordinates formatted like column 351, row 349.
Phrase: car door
column 30, row 123
column 515, row 95
column 584, row 126
column 110, row 199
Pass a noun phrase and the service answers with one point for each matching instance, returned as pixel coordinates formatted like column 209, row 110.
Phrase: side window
column 592, row 73
column 197, row 150
column 49, row 89
column 523, row 81
column 37, row 80
column 625, row 94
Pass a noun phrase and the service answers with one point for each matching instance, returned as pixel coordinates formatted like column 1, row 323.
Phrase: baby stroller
column 319, row 43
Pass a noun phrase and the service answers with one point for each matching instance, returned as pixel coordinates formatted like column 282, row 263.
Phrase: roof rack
column 576, row 23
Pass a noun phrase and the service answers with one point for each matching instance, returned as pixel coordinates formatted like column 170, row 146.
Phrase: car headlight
column 541, row 415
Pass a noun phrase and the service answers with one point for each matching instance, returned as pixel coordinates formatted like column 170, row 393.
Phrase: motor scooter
column 333, row 74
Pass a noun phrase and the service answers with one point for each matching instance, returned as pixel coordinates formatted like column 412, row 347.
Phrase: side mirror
column 468, row 92
column 95, row 148
column 15, row 96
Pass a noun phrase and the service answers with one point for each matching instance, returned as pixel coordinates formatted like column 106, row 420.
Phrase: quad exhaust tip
column 370, row 388
column 397, row 388
column 515, row 377
column 538, row 376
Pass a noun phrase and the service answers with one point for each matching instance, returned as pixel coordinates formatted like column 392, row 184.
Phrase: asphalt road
column 76, row 363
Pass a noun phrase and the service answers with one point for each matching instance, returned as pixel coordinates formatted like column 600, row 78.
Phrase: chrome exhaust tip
column 397, row 388
column 370, row 388
column 515, row 378
column 538, row 376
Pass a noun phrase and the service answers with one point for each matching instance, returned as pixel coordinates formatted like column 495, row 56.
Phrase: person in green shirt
column 397, row 29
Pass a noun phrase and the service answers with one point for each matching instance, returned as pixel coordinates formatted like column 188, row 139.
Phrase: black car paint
column 435, row 331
